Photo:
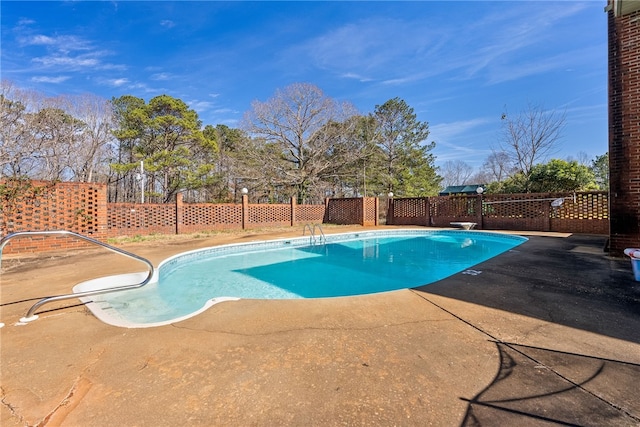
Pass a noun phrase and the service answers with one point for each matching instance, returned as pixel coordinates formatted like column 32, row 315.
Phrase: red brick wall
column 624, row 129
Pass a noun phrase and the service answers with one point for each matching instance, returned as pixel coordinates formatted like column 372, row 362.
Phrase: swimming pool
column 341, row 265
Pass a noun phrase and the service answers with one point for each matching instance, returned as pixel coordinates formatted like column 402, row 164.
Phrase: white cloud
column 200, row 105
column 225, row 111
column 490, row 47
column 116, row 82
column 78, row 62
column 160, row 76
column 26, row 21
column 356, row 76
column 459, row 140
column 39, row 39
column 371, row 49
column 47, row 79
column 446, row 131
column 64, row 43
column 167, row 23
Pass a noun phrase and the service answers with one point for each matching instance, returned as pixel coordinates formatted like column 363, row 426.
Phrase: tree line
column 299, row 143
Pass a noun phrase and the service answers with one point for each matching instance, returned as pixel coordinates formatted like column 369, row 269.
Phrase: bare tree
column 531, row 136
column 55, row 133
column 293, row 135
column 581, row 157
column 498, row 166
column 18, row 148
column 93, row 146
column 456, row 172
column 67, row 137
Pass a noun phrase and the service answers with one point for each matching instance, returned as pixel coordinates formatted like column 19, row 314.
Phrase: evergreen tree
column 406, row 165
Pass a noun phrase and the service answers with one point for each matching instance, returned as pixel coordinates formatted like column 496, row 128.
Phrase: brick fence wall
column 585, row 212
column 37, row 205
column 82, row 208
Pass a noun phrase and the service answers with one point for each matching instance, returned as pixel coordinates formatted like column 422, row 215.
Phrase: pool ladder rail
column 313, row 239
column 31, row 316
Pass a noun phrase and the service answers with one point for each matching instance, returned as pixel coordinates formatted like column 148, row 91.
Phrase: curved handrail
column 30, row 314
column 324, row 239
column 312, row 233
column 306, row 227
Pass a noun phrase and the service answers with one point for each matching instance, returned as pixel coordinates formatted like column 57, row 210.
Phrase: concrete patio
column 545, row 334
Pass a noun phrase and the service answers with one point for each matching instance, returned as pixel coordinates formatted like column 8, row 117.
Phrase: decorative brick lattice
column 588, row 213
column 410, row 211
column 309, row 213
column 522, row 206
column 265, row 215
column 208, row 216
column 131, row 219
column 344, row 211
column 370, row 214
column 410, row 208
column 42, row 206
column 447, row 209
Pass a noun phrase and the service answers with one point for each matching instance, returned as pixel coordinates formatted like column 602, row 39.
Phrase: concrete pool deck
column 546, row 334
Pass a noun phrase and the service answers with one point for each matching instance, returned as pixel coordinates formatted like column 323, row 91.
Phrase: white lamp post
column 140, row 177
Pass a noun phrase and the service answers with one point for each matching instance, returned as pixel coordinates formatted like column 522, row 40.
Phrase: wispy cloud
column 507, row 36
column 357, row 77
column 225, row 111
column 368, row 48
column 167, row 23
column 66, row 61
column 160, row 76
column 453, row 143
column 201, row 105
column 446, row 131
column 25, row 21
column 491, row 48
column 48, row 79
column 65, row 43
column 116, row 82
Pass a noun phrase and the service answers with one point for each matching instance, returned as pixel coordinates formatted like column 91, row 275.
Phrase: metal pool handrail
column 30, row 316
column 324, row 239
column 312, row 233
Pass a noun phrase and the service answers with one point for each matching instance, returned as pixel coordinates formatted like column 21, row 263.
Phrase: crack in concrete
column 78, row 390
column 12, row 409
column 72, row 399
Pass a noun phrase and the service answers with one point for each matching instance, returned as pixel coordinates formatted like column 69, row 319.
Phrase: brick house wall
column 624, row 124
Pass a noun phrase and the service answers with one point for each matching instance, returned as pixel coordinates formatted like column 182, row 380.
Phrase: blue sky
column 460, row 65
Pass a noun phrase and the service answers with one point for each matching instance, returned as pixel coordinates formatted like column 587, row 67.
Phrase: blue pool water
column 344, row 265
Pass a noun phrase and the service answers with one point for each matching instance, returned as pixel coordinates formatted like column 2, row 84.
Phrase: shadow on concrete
column 542, row 386
column 569, row 281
